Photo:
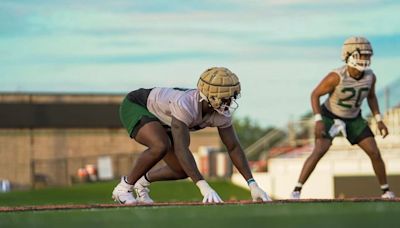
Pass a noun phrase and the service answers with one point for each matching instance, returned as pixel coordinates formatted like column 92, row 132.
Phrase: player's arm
column 374, row 106
column 180, row 133
column 327, row 85
column 239, row 160
column 236, row 153
column 372, row 100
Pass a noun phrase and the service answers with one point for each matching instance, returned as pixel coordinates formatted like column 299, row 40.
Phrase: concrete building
column 46, row 138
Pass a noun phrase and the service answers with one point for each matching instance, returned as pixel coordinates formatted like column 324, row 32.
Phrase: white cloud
column 273, row 45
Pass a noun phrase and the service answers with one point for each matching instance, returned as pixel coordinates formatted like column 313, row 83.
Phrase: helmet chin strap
column 204, row 98
column 227, row 110
column 358, row 67
column 226, row 113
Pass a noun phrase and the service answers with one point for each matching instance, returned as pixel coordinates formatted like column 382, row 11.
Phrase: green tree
column 248, row 130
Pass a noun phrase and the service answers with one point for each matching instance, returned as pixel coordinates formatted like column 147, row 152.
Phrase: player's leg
column 371, row 149
column 321, row 147
column 359, row 133
column 152, row 135
column 172, row 170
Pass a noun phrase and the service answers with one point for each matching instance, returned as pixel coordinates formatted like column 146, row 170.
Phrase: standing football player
column 161, row 118
column 347, row 87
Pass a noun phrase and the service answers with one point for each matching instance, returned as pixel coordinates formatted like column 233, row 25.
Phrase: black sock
column 126, row 180
column 145, row 177
column 384, row 188
column 297, row 189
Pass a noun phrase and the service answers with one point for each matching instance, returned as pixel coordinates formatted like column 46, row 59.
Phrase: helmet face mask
column 357, row 52
column 226, row 106
column 220, row 88
column 357, row 61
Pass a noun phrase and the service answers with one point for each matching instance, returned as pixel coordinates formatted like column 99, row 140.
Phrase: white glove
column 338, row 126
column 257, row 193
column 210, row 196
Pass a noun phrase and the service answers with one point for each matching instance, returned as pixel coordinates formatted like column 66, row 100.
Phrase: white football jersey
column 184, row 105
column 345, row 101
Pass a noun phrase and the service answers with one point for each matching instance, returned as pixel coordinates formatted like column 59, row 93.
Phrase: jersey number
column 352, row 92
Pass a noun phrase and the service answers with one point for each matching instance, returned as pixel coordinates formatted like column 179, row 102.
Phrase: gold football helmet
column 352, row 50
column 220, row 88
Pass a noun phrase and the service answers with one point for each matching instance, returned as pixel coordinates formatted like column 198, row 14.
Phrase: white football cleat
column 142, row 191
column 123, row 193
column 295, row 195
column 388, row 195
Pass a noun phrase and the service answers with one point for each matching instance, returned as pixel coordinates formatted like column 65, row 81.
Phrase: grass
column 281, row 214
column 337, row 214
column 98, row 193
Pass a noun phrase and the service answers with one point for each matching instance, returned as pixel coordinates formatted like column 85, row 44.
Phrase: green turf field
column 344, row 214
column 278, row 214
column 98, row 193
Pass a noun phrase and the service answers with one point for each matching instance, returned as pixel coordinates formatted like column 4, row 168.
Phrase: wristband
column 317, row 117
column 378, row 117
column 251, row 180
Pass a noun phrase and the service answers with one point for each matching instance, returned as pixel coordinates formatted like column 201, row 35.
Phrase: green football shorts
column 133, row 116
column 357, row 128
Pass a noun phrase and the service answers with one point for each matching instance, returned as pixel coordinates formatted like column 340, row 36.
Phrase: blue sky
column 279, row 49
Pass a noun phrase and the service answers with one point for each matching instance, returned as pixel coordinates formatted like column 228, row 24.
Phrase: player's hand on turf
column 210, row 196
column 257, row 193
column 319, row 129
column 383, row 129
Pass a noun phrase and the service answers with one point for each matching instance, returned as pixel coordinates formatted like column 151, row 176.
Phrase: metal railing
column 273, row 137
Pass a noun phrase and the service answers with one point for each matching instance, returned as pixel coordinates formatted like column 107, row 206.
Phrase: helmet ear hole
column 235, row 95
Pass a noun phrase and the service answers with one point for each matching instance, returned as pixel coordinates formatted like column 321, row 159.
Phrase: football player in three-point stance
column 161, row 118
column 347, row 87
